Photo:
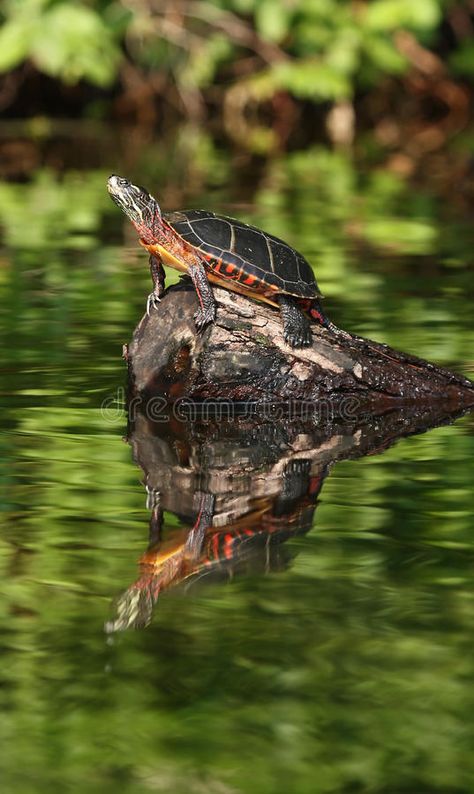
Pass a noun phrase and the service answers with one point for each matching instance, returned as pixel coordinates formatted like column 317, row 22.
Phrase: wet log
column 243, row 357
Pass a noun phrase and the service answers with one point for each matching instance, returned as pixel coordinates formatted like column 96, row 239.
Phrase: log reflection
column 238, row 490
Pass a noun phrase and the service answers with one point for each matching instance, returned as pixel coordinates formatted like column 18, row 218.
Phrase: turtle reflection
column 240, row 489
column 236, row 507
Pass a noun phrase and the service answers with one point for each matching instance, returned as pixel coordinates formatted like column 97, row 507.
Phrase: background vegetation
column 256, row 68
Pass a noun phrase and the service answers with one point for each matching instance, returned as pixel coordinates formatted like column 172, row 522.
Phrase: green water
column 348, row 667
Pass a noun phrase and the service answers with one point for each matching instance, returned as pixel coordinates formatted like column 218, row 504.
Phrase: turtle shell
column 252, row 257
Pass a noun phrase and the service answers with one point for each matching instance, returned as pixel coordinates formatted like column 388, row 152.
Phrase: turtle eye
column 141, row 189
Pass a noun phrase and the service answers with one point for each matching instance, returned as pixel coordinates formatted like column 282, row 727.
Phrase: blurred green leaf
column 203, row 63
column 66, row 40
column 75, row 44
column 394, row 14
column 16, row 37
column 272, row 19
column 306, row 79
column 383, row 55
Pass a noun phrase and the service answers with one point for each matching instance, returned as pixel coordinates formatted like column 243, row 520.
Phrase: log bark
column 243, row 357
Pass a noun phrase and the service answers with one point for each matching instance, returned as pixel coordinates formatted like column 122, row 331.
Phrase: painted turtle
column 227, row 252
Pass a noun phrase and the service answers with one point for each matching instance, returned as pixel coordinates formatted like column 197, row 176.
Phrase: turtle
column 226, row 252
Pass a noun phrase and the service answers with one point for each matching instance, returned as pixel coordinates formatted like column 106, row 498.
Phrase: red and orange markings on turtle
column 231, row 254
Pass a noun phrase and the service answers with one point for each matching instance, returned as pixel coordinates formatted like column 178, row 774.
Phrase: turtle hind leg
column 296, row 326
column 296, row 480
column 317, row 314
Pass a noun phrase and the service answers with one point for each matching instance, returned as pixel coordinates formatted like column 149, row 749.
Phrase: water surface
column 345, row 663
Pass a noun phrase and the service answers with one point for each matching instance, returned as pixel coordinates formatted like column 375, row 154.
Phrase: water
column 332, row 653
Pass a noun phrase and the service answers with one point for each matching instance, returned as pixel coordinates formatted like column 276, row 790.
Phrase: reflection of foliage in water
column 354, row 667
column 354, row 664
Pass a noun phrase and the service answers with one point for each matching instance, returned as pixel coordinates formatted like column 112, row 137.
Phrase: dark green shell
column 252, row 252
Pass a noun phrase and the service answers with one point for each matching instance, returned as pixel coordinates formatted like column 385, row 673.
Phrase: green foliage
column 273, row 20
column 66, row 40
column 385, row 15
column 319, row 51
column 202, row 64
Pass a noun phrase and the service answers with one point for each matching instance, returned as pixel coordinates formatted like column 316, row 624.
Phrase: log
column 243, row 357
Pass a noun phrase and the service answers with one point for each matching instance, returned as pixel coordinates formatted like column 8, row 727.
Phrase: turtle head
column 138, row 205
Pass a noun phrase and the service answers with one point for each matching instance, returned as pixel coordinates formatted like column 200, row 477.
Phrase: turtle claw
column 296, row 327
column 300, row 338
column 152, row 497
column 152, row 302
column 203, row 318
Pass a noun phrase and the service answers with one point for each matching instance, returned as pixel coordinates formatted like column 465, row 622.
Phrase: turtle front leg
column 158, row 278
column 203, row 522
column 156, row 518
column 296, row 326
column 207, row 305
